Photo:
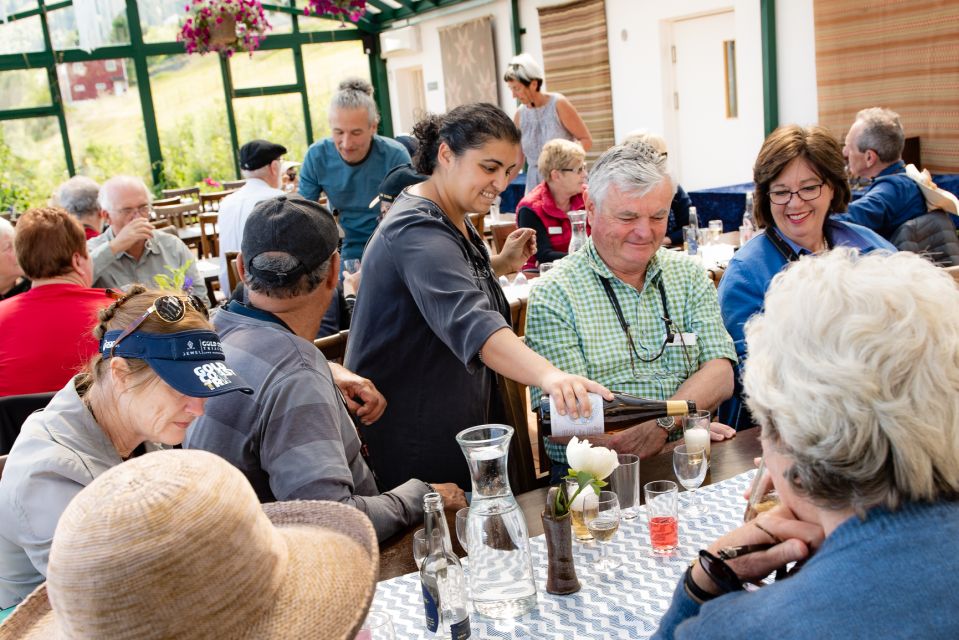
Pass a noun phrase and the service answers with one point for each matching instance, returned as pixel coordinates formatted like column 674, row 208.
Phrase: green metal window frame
column 367, row 31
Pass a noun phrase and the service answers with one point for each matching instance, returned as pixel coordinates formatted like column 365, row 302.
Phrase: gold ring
column 769, row 533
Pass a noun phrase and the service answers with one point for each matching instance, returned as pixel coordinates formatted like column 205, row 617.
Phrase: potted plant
column 225, row 26
column 589, row 468
column 351, row 10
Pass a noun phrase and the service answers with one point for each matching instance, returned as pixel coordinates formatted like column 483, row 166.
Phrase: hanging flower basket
column 351, row 10
column 224, row 26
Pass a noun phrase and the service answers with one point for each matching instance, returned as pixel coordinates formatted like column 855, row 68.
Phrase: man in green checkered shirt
column 572, row 320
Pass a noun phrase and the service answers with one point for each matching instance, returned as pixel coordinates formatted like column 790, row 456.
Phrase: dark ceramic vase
column 561, row 577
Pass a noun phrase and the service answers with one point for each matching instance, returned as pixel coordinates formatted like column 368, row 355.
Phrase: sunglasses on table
column 168, row 308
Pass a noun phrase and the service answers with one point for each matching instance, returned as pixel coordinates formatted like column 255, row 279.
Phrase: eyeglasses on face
column 807, row 193
column 581, row 170
column 143, row 210
column 169, row 309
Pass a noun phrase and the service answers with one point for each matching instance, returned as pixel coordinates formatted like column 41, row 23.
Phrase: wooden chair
column 3, row 463
column 954, row 272
column 186, row 192
column 501, row 231
column 209, row 240
column 522, row 470
column 165, row 202
column 14, row 411
column 232, row 185
column 211, row 201
column 232, row 275
column 334, row 346
column 178, row 214
column 479, row 222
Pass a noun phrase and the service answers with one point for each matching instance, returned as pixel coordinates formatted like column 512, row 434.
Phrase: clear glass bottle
column 501, row 567
column 691, row 239
column 441, row 577
column 578, row 239
column 749, row 222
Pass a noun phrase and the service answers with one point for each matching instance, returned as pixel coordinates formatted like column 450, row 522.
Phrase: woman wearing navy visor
column 159, row 360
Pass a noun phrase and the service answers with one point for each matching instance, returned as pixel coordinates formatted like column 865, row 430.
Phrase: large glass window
column 104, row 118
column 113, row 26
column 22, row 36
column 24, row 88
column 32, row 163
column 278, row 119
column 263, row 69
column 347, row 58
column 160, row 20
column 190, row 110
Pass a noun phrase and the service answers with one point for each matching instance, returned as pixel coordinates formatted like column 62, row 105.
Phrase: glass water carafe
column 578, row 239
column 500, row 565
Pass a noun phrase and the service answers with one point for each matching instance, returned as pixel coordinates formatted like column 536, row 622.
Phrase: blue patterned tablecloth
column 627, row 604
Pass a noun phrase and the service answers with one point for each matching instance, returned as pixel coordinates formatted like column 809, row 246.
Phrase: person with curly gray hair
column 853, row 374
column 349, row 165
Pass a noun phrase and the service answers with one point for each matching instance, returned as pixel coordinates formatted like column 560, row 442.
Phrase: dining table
column 626, row 603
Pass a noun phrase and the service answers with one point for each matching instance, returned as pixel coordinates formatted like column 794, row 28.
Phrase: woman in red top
column 544, row 208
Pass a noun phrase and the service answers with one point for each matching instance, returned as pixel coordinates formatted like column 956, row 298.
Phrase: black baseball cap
column 192, row 362
column 259, row 153
column 395, row 181
column 302, row 228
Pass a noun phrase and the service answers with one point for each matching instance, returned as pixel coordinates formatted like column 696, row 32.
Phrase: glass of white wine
column 690, row 464
column 602, row 518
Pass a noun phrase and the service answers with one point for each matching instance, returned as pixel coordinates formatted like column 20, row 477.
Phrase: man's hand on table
column 361, row 396
column 719, row 432
column 453, row 497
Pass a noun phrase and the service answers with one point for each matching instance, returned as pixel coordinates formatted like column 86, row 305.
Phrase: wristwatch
column 668, row 423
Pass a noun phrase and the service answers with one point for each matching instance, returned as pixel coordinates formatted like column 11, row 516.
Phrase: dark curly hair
column 466, row 127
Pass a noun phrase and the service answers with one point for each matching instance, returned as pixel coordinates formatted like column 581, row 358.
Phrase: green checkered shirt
column 571, row 322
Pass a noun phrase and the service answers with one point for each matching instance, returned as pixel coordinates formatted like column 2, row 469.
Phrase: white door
column 711, row 149
column 411, row 96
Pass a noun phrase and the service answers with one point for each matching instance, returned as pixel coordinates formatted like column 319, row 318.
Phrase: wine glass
column 351, row 265
column 377, row 626
column 690, row 464
column 461, row 516
column 421, row 547
column 602, row 516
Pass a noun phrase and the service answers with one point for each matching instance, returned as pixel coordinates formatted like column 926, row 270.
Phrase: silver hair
column 6, row 228
column 280, row 262
column 635, row 168
column 107, row 189
column 356, row 93
column 853, row 371
column 882, row 132
column 78, row 196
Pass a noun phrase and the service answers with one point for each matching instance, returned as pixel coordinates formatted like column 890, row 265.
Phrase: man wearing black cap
column 260, row 165
column 294, row 438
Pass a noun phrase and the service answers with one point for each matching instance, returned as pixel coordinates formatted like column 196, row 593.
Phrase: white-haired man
column 130, row 250
column 78, row 196
column 261, row 166
column 622, row 311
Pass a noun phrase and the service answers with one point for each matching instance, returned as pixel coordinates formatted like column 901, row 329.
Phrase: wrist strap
column 696, row 592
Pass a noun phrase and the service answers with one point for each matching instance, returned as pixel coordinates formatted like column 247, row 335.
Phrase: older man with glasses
column 131, row 250
column 625, row 312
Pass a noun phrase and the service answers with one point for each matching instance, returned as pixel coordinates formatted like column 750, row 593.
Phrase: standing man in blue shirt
column 349, row 165
column 873, row 150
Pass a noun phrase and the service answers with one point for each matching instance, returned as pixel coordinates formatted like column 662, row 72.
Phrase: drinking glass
column 624, row 482
column 715, row 230
column 760, row 499
column 351, row 265
column 662, row 509
column 690, row 465
column 544, row 267
column 461, row 527
column 745, row 233
column 377, row 626
column 602, row 519
column 576, row 510
column 696, row 431
column 421, row 547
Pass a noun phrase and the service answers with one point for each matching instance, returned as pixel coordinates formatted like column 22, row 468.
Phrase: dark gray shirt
column 293, row 438
column 428, row 302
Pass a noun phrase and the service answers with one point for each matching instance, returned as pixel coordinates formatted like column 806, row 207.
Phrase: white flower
column 598, row 461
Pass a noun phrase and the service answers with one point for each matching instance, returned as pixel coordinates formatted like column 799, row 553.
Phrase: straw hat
column 174, row 544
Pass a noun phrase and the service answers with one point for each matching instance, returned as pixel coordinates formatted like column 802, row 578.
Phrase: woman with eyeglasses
column 853, row 374
column 800, row 182
column 563, row 167
column 431, row 325
column 158, row 360
column 542, row 117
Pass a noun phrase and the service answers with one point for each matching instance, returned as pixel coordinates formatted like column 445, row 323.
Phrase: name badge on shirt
column 688, row 338
column 555, row 231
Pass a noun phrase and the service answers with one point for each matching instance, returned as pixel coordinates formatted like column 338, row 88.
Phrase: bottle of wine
column 441, row 576
column 625, row 410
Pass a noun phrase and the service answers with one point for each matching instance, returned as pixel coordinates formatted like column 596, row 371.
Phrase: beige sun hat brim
column 327, row 592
